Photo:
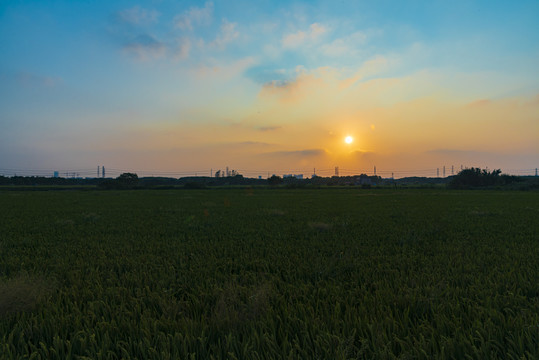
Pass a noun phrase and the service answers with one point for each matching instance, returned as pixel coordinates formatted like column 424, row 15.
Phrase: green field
column 263, row 274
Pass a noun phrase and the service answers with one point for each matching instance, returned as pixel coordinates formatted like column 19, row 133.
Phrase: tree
column 128, row 179
column 475, row 177
column 275, row 180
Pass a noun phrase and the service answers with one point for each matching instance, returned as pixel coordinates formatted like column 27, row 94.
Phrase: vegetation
column 275, row 180
column 253, row 274
column 475, row 178
column 124, row 181
column 466, row 179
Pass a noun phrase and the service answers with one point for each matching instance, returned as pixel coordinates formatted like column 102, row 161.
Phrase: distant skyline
column 170, row 86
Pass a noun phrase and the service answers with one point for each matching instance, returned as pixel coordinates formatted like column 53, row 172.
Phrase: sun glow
column 348, row 139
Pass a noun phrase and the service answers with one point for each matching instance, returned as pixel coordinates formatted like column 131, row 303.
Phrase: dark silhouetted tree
column 275, row 180
column 128, row 179
column 475, row 177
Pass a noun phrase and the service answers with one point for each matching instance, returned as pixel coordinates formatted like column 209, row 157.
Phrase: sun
column 348, row 139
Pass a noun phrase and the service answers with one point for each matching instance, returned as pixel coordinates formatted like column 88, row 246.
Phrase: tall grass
column 421, row 274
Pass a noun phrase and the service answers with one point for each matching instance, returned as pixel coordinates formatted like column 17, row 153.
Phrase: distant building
column 297, row 176
column 56, row 174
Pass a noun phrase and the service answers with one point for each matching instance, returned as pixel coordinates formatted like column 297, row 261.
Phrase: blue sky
column 139, row 85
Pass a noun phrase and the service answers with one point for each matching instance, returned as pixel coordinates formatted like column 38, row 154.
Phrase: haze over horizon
column 269, row 85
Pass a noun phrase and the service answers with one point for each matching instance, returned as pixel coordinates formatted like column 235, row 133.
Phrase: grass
column 22, row 293
column 243, row 273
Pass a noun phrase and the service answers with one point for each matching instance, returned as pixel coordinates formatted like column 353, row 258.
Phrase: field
column 263, row 274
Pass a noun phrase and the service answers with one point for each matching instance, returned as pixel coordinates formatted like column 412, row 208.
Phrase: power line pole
column 336, row 171
column 444, row 170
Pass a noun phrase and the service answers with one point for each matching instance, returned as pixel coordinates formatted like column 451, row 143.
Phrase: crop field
column 269, row 274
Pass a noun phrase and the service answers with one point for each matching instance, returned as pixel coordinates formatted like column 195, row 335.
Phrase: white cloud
column 346, row 46
column 34, row 80
column 138, row 16
column 146, row 47
column 301, row 37
column 183, row 49
column 194, row 16
column 316, row 30
column 225, row 71
column 227, row 35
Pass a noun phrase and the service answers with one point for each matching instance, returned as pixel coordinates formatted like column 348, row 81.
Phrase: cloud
column 138, row 16
column 266, row 74
column 183, row 48
column 145, row 47
column 269, row 128
column 455, row 152
column 293, row 90
column 194, row 16
column 479, row 103
column 298, row 153
column 227, row 35
column 347, row 46
column 253, row 143
column 369, row 68
column 333, row 83
column 299, row 38
column 476, row 158
column 28, row 79
column 224, row 71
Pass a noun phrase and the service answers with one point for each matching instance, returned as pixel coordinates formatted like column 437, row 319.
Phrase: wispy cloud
column 138, row 16
column 182, row 49
column 299, row 38
column 145, row 47
column 227, row 34
column 33, row 80
column 224, row 71
column 479, row 103
column 298, row 153
column 194, row 16
column 346, row 46
column 254, row 143
column 294, row 89
column 269, row 128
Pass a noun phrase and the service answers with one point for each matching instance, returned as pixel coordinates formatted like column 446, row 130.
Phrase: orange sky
column 158, row 87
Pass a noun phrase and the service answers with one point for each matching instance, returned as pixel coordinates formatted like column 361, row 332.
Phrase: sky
column 263, row 87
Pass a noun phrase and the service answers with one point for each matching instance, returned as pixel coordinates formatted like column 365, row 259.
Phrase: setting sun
column 348, row 139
